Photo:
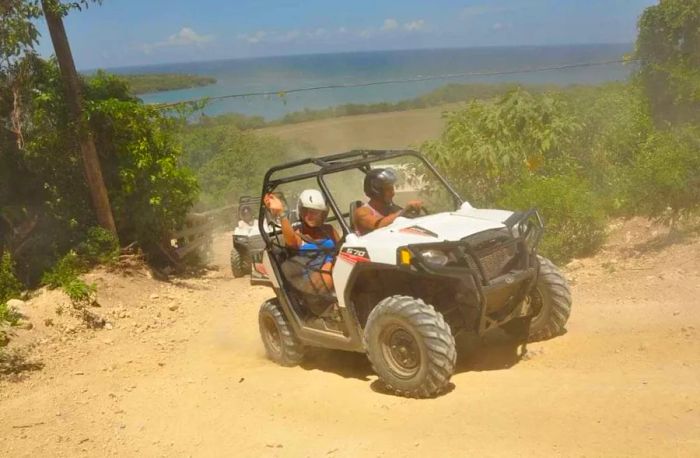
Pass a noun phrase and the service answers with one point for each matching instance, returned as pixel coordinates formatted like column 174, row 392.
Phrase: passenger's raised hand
column 274, row 204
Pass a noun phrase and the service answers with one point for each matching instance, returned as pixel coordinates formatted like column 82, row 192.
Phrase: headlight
column 435, row 258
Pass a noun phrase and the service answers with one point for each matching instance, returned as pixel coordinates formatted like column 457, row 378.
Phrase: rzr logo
column 354, row 255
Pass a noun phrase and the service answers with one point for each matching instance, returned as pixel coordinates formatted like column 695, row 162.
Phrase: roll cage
column 334, row 163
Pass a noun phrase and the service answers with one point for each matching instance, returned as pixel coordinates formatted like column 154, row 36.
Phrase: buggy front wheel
column 410, row 346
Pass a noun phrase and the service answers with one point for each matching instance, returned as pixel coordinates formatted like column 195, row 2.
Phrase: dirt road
column 183, row 373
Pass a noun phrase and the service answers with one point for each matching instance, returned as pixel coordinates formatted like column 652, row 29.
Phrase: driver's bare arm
column 276, row 207
column 367, row 221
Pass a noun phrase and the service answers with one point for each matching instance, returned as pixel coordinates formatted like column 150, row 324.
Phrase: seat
column 354, row 206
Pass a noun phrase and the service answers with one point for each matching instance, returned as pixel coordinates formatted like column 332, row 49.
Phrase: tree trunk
column 91, row 162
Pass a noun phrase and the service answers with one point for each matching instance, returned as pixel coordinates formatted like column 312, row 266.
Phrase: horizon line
column 277, row 56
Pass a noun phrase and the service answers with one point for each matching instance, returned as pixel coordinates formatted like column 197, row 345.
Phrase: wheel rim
column 401, row 351
column 536, row 303
column 272, row 335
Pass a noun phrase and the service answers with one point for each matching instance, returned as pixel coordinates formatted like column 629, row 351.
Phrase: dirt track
column 625, row 379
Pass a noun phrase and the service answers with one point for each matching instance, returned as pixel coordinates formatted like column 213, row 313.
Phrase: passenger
column 315, row 240
column 380, row 211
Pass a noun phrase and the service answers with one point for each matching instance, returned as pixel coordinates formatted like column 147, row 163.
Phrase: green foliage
column 10, row 288
column 615, row 123
column 80, row 293
column 42, row 177
column 230, row 162
column 65, row 271
column 18, row 33
column 149, row 190
column 229, row 120
column 668, row 45
column 157, row 82
column 100, row 247
column 665, row 180
column 573, row 214
column 65, row 275
column 488, row 145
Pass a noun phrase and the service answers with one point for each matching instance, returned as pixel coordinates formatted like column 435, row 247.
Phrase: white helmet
column 313, row 199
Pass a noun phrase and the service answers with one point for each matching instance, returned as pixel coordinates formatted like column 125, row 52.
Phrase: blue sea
column 283, row 73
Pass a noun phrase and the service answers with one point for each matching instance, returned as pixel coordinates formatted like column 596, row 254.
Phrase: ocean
column 288, row 72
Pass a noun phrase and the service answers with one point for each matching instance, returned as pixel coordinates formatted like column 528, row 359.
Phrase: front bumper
column 499, row 266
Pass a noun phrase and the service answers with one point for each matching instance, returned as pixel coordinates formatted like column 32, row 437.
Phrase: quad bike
column 403, row 292
column 246, row 237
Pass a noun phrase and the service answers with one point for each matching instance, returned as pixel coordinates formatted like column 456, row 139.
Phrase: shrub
column 489, row 145
column 664, row 182
column 80, row 293
column 573, row 214
column 65, row 271
column 100, row 247
column 10, row 287
column 64, row 275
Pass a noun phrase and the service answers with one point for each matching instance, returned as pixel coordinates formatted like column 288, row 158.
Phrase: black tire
column 551, row 301
column 410, row 346
column 281, row 344
column 237, row 264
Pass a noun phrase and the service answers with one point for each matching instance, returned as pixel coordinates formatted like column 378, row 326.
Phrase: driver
column 315, row 240
column 381, row 210
column 247, row 220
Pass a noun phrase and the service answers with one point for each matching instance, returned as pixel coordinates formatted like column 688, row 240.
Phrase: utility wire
column 284, row 92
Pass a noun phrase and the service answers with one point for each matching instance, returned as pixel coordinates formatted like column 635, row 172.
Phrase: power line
column 283, row 92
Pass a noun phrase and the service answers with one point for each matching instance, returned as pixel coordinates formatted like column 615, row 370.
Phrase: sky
column 140, row 32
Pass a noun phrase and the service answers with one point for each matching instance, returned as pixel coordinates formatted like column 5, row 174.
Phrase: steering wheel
column 414, row 213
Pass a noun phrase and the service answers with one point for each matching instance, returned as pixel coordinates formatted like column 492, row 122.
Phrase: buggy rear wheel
column 281, row 344
column 410, row 346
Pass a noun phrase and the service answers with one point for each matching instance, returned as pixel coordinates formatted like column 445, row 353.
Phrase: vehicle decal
column 354, row 255
column 417, row 230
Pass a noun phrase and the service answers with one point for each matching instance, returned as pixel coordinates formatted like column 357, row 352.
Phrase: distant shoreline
column 151, row 83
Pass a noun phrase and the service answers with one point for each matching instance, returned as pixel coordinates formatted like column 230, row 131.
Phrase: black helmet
column 376, row 179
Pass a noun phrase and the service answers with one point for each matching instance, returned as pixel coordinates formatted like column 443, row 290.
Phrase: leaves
column 668, row 45
column 488, row 144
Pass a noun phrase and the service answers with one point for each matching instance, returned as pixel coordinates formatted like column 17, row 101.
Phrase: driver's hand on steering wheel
column 274, row 204
column 414, row 205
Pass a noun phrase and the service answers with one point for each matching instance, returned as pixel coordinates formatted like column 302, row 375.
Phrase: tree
column 668, row 46
column 54, row 12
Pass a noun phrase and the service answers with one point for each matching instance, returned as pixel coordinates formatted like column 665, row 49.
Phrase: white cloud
column 253, row 38
column 390, row 24
column 342, row 30
column 416, row 25
column 184, row 38
column 497, row 26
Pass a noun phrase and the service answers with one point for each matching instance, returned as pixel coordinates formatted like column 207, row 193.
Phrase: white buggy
column 402, row 292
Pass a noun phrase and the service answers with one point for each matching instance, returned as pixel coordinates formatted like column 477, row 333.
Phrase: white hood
column 450, row 226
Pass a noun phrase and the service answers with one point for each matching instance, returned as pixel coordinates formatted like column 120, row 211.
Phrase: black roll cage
column 334, row 163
